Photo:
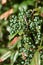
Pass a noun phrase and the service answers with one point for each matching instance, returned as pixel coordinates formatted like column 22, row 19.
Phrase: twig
column 14, row 41
column 41, row 14
column 3, row 2
column 6, row 14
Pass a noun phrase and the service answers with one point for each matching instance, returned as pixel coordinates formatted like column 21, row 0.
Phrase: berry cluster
column 30, row 32
column 16, row 25
column 35, row 27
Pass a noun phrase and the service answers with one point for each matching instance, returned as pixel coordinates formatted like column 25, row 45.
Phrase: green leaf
column 41, row 9
column 36, row 59
column 26, row 46
column 14, row 57
column 28, row 2
column 3, row 50
column 15, row 7
column 12, row 36
column 21, row 32
column 19, row 44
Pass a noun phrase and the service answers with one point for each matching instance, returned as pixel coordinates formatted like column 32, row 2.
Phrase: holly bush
column 21, row 32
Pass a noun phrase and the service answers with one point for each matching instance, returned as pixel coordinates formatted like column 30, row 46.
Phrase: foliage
column 21, row 34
